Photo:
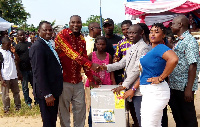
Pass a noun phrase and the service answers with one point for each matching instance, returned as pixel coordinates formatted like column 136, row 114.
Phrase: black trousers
column 164, row 122
column 184, row 113
column 49, row 113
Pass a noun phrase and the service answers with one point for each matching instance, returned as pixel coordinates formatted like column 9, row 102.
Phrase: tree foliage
column 117, row 29
column 27, row 27
column 92, row 18
column 13, row 11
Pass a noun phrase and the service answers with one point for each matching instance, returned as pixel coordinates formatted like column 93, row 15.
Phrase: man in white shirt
column 94, row 31
column 8, row 75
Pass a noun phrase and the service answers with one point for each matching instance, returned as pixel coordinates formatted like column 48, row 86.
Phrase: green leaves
column 13, row 11
column 93, row 18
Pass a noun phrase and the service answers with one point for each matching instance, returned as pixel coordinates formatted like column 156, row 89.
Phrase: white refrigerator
column 107, row 109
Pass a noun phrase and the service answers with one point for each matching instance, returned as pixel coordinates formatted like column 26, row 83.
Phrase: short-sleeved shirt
column 8, row 70
column 187, row 50
column 22, row 50
column 152, row 63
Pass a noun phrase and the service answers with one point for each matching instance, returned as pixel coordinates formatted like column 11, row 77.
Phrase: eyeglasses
column 97, row 27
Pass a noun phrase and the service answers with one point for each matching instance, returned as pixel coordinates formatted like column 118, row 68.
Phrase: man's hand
column 188, row 95
column 103, row 67
column 50, row 100
column 3, row 83
column 12, row 49
column 95, row 67
column 97, row 80
column 116, row 59
column 120, row 83
column 20, row 77
column 118, row 89
column 130, row 93
column 93, row 85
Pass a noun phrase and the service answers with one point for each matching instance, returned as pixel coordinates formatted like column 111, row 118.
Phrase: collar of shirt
column 47, row 42
column 183, row 35
column 90, row 38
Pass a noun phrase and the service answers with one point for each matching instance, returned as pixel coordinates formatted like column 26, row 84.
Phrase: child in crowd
column 8, row 75
column 101, row 57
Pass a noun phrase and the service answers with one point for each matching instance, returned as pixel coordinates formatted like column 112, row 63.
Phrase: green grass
column 24, row 111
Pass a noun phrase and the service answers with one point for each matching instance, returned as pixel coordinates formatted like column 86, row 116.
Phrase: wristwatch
column 47, row 96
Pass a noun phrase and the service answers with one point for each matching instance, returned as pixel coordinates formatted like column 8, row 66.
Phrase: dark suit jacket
column 47, row 72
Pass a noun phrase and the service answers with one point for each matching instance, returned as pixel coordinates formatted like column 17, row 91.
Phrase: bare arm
column 192, row 56
column 130, row 93
column 17, row 60
column 191, row 77
column 172, row 60
column 90, row 56
column 112, row 77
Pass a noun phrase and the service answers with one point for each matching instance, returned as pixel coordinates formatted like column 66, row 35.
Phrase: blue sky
column 61, row 10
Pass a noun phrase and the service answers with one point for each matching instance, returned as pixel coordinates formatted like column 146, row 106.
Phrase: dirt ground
column 37, row 122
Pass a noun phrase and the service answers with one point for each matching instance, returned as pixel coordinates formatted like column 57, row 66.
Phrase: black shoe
column 36, row 103
column 6, row 110
column 17, row 108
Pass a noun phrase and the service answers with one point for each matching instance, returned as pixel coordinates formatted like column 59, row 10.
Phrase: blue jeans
column 27, row 77
column 90, row 118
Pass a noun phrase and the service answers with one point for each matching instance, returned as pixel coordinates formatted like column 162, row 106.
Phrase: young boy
column 8, row 75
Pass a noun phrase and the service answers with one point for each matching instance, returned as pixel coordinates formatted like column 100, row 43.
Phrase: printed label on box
column 119, row 101
column 103, row 116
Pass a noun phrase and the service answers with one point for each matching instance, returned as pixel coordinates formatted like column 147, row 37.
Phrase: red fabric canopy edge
column 184, row 8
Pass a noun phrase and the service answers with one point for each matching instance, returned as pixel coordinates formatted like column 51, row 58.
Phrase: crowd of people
column 152, row 66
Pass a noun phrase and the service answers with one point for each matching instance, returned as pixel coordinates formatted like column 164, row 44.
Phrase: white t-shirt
column 8, row 70
column 29, row 39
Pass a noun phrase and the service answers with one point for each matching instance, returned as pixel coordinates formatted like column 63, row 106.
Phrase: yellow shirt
column 89, row 44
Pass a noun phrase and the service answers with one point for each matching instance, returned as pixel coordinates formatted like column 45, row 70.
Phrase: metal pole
column 101, row 19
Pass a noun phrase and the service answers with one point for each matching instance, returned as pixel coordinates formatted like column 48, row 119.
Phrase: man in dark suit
column 47, row 75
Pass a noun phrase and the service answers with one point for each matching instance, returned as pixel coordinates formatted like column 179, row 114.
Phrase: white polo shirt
column 8, row 70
